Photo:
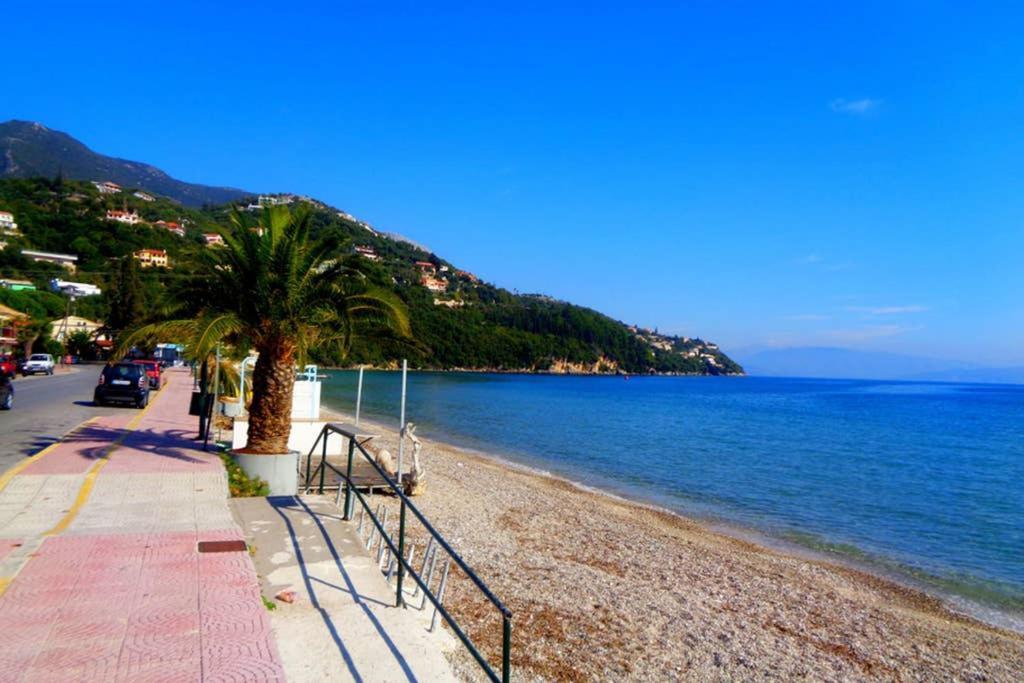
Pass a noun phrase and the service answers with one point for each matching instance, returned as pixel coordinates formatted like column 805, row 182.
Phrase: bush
column 240, row 484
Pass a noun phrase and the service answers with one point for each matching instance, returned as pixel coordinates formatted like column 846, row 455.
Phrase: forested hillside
column 458, row 320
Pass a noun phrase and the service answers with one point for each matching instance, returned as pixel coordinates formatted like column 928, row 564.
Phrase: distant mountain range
column 29, row 150
column 827, row 362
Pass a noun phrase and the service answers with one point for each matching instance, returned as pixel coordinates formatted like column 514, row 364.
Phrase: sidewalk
column 100, row 574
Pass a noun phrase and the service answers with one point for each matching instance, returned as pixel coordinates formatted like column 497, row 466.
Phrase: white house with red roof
column 107, row 187
column 129, row 217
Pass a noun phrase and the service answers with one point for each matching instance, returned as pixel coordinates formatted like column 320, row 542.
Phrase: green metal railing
column 405, row 568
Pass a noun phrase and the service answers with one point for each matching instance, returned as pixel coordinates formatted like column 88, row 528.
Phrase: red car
column 152, row 372
column 8, row 366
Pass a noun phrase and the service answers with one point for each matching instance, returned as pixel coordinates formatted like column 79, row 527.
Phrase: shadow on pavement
column 280, row 504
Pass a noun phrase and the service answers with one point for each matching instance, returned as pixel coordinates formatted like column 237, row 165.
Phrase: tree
column 79, row 343
column 30, row 332
column 125, row 296
column 284, row 293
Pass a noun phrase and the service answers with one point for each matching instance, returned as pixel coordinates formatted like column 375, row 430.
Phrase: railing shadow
column 281, row 504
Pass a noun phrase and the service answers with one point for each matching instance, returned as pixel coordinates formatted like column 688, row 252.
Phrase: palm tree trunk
column 273, row 382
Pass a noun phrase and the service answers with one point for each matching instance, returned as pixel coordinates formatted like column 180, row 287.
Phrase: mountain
column 459, row 320
column 30, row 150
column 839, row 363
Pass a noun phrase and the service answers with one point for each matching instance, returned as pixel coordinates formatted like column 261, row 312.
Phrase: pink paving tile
column 164, row 440
column 81, row 449
column 138, row 607
column 14, row 664
column 161, row 672
column 93, row 660
column 7, row 545
column 142, row 606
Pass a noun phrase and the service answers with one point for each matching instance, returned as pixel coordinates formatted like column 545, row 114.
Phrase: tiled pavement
column 99, row 567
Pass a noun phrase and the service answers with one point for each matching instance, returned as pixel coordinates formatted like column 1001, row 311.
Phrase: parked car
column 123, row 382
column 8, row 366
column 152, row 371
column 38, row 362
column 6, row 392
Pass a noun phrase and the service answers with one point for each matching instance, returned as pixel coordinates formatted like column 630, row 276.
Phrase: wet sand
column 606, row 589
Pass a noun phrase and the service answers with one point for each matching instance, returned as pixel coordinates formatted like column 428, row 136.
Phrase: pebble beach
column 607, row 589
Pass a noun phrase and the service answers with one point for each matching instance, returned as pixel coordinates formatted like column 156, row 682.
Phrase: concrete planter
column 281, row 472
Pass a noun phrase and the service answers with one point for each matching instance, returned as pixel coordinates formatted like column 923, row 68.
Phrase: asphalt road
column 45, row 409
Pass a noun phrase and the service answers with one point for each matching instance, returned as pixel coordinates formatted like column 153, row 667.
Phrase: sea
column 919, row 482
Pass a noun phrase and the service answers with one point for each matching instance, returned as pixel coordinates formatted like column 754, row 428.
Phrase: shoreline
column 497, row 538
column 985, row 614
column 526, row 371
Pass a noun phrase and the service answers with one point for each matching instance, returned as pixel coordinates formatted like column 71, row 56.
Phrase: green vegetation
column 276, row 288
column 239, row 483
column 469, row 325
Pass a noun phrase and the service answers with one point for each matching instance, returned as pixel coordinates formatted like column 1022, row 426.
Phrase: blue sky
column 796, row 175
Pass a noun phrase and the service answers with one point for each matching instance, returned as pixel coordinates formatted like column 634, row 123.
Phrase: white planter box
column 303, row 436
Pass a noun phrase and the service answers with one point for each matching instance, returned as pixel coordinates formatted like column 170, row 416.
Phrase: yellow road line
column 6, row 477
column 90, row 478
column 83, row 492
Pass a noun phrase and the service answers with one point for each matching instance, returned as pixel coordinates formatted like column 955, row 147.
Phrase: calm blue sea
column 922, row 480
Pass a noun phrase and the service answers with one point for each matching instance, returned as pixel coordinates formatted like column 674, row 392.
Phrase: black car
column 6, row 392
column 122, row 383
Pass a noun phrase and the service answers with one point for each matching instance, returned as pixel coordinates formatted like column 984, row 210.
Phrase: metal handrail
column 404, row 566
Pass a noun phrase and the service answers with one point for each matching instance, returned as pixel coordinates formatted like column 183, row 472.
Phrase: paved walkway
column 343, row 625
column 100, row 575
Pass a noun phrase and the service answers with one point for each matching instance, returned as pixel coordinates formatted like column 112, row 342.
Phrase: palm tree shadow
column 174, row 443
column 96, row 442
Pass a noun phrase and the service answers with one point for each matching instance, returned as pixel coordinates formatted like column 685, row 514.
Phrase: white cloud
column 869, row 332
column 886, row 310
column 858, row 107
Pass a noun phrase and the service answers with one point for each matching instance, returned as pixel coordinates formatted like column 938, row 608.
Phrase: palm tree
column 278, row 290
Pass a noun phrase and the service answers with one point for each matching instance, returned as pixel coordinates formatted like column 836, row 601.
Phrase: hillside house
column 107, row 187
column 425, row 266
column 213, row 239
column 62, row 328
column 466, row 275
column 68, row 261
column 152, row 258
column 10, row 321
column 77, row 289
column 171, row 226
column 17, row 285
column 367, row 252
column 144, row 196
column 129, row 217
column 7, row 224
column 434, row 284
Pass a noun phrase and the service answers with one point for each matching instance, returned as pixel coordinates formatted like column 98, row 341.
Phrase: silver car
column 38, row 362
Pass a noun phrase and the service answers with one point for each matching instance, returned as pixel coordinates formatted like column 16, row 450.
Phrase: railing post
column 348, row 478
column 323, row 462
column 309, row 461
column 401, row 554
column 506, row 648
